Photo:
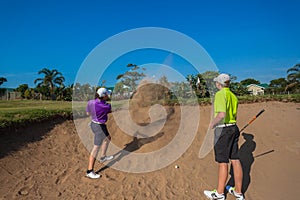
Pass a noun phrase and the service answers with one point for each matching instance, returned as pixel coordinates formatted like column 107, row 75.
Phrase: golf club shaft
column 254, row 118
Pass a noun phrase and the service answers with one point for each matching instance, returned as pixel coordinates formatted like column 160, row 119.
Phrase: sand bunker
column 48, row 160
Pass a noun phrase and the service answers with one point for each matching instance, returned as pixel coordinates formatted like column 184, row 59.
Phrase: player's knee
column 236, row 162
column 95, row 150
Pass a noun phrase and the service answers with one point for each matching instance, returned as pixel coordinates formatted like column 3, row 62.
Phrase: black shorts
column 226, row 144
column 100, row 133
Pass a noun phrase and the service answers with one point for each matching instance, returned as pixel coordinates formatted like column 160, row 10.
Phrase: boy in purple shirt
column 98, row 109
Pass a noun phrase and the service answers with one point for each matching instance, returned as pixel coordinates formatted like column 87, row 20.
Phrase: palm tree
column 198, row 84
column 2, row 80
column 133, row 75
column 293, row 77
column 51, row 79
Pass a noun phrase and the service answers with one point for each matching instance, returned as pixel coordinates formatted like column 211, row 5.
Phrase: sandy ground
column 48, row 160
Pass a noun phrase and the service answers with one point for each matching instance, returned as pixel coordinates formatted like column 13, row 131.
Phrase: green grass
column 16, row 113
column 21, row 112
column 30, row 104
column 262, row 98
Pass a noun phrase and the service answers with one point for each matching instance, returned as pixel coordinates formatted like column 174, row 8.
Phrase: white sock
column 219, row 194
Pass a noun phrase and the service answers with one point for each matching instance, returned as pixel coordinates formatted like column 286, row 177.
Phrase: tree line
column 203, row 85
column 51, row 85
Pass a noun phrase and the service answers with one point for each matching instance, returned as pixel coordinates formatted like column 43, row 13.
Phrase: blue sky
column 248, row 39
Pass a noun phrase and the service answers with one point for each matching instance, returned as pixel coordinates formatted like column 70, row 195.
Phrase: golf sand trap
column 48, row 160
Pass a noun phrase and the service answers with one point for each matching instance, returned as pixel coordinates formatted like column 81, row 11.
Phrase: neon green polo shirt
column 226, row 101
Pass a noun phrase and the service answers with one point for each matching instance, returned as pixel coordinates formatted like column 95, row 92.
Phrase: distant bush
column 263, row 98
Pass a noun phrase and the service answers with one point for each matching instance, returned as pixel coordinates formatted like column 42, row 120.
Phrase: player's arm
column 220, row 116
column 109, row 109
column 220, row 102
column 87, row 110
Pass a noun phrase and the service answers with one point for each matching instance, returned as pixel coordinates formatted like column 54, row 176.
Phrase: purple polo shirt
column 98, row 110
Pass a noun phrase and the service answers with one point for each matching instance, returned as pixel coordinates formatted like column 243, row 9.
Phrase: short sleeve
column 220, row 102
column 109, row 107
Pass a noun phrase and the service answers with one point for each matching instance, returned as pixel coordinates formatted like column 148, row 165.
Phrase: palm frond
column 295, row 68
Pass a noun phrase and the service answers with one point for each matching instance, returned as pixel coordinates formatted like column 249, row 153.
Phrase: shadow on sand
column 130, row 147
column 247, row 159
column 136, row 142
column 14, row 138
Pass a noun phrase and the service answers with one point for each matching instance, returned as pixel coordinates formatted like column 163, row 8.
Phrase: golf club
column 254, row 118
column 208, row 143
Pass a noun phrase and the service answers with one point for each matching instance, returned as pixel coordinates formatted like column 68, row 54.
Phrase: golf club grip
column 263, row 110
column 260, row 112
column 254, row 118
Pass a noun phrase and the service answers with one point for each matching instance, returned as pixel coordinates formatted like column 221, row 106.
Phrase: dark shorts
column 226, row 144
column 100, row 133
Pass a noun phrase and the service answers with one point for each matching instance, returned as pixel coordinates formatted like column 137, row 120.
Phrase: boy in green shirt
column 226, row 139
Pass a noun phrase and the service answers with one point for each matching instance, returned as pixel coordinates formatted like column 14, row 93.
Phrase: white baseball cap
column 222, row 78
column 102, row 92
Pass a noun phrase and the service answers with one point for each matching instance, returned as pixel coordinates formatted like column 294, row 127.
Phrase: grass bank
column 21, row 112
column 242, row 99
column 263, row 98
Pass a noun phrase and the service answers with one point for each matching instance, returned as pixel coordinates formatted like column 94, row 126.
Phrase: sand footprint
column 25, row 190
column 295, row 148
column 62, row 177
